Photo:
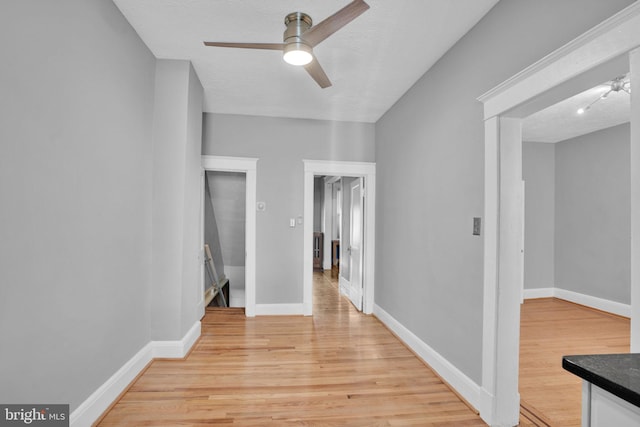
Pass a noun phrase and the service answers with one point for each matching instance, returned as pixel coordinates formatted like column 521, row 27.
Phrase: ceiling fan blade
column 317, row 73
column 268, row 46
column 324, row 29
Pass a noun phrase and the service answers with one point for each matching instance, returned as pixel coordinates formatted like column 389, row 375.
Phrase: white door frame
column 503, row 108
column 351, row 169
column 249, row 167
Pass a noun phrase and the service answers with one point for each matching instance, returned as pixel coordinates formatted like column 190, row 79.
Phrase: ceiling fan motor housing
column 297, row 23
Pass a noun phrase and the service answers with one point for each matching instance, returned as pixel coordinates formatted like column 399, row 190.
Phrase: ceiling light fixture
column 296, row 51
column 618, row 84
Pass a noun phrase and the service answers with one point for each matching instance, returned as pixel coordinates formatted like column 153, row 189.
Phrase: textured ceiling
column 371, row 62
column 561, row 121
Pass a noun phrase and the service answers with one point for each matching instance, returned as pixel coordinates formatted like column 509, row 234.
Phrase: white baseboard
column 538, row 293
column 587, row 300
column 594, row 302
column 344, row 286
column 236, row 297
column 179, row 348
column 279, row 309
column 89, row 410
column 464, row 385
column 486, row 407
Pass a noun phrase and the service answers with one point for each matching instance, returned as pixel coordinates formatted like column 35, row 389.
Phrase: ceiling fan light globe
column 297, row 54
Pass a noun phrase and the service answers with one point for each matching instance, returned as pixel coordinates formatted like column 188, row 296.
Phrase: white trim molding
column 249, row 167
column 464, row 385
column 179, row 348
column 634, row 158
column 91, row 409
column 100, row 400
column 534, row 293
column 601, row 304
column 344, row 286
column 350, row 169
column 613, row 307
column 503, row 107
column 279, row 309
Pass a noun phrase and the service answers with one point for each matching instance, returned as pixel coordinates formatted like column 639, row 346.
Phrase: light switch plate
column 292, row 222
column 476, row 226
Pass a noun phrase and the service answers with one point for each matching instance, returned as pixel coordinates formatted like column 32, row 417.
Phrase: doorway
column 577, row 250
column 364, row 173
column 247, row 167
column 503, row 108
column 339, row 227
column 224, row 230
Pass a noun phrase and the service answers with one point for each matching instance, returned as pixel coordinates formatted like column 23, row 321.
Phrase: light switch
column 476, row 226
column 292, row 222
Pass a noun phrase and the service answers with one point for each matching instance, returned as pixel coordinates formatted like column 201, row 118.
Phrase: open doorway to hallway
column 363, row 174
column 338, row 228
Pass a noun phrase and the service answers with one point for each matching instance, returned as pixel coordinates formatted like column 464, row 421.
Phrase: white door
column 355, row 243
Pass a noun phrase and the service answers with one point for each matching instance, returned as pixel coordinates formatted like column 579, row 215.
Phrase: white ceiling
column 371, row 62
column 562, row 121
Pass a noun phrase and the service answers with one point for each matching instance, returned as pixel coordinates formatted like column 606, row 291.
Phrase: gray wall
column 429, row 151
column 176, row 200
column 228, row 192
column 538, row 171
column 191, row 283
column 592, row 242
column 281, row 145
column 76, row 115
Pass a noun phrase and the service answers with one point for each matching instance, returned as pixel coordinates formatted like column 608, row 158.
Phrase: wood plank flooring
column 337, row 368
column 549, row 329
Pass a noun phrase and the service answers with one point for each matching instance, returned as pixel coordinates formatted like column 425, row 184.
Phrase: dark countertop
column 619, row 374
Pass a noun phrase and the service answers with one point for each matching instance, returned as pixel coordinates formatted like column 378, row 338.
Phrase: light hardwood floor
column 337, row 368
column 549, row 329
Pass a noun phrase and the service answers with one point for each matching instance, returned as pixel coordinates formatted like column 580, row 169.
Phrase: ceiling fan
column 301, row 36
column 616, row 85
